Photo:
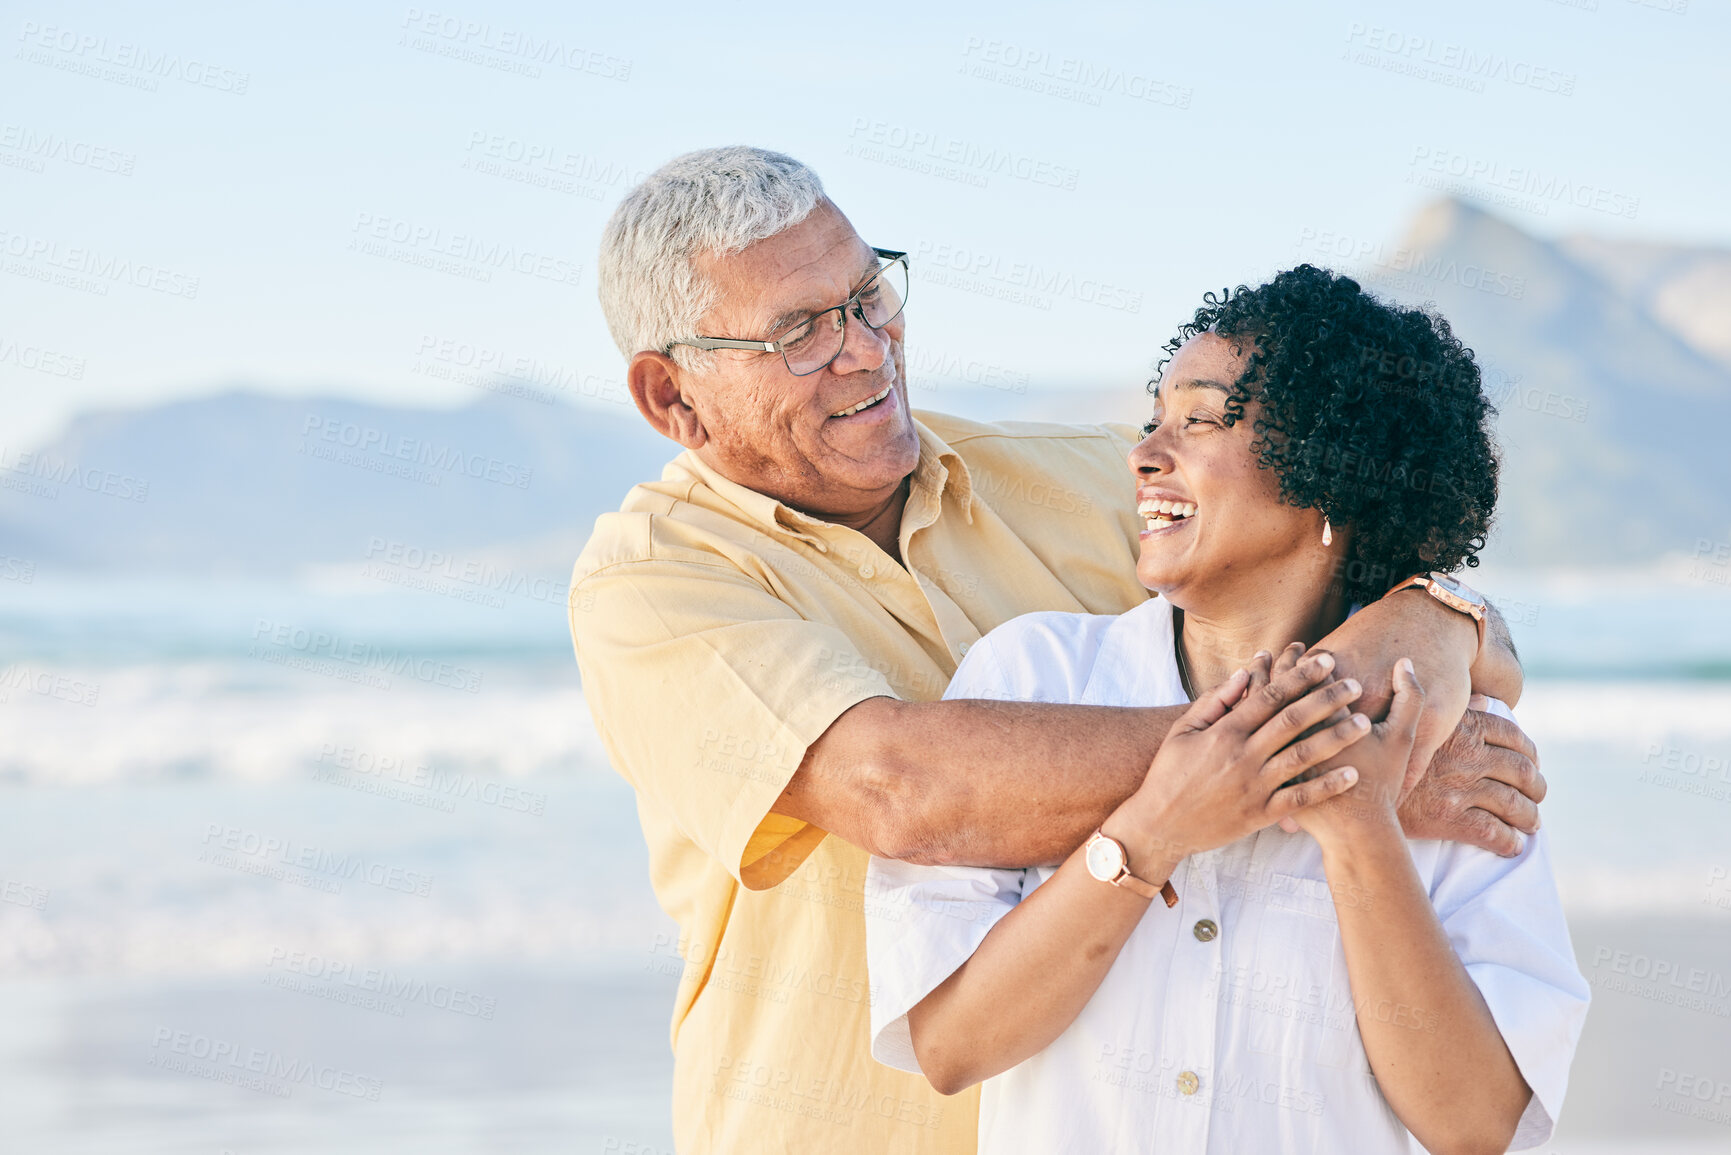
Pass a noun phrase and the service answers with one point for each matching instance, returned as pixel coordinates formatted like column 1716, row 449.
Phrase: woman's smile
column 1164, row 513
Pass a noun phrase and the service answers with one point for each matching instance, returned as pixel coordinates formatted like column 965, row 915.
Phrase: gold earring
column 1327, row 531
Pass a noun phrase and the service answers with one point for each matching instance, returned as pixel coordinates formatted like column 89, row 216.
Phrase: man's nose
column 863, row 348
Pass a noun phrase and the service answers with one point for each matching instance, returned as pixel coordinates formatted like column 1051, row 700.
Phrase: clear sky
column 357, row 198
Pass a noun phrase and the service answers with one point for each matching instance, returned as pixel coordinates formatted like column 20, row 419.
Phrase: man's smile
column 868, row 403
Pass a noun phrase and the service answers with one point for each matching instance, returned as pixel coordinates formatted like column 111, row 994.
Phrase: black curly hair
column 1371, row 412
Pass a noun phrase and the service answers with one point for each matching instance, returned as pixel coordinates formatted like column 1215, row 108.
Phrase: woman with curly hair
column 1320, row 985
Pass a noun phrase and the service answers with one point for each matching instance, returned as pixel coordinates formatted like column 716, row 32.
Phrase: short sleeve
column 923, row 922
column 707, row 690
column 1504, row 918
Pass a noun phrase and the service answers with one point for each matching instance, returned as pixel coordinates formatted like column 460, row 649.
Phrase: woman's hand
column 1223, row 769
column 1380, row 758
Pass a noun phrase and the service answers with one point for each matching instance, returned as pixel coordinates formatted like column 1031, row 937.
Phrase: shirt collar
column 940, row 471
column 1137, row 664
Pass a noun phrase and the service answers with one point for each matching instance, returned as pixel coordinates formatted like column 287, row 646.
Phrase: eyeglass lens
column 816, row 343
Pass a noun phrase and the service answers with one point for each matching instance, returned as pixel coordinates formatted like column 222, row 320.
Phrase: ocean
column 260, row 896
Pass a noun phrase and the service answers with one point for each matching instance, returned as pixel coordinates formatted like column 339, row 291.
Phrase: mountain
column 1612, row 418
column 1610, row 363
column 241, row 483
column 1688, row 290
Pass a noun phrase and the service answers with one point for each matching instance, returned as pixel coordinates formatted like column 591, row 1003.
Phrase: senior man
column 765, row 632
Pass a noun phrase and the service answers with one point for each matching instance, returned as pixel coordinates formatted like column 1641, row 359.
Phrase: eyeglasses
column 813, row 344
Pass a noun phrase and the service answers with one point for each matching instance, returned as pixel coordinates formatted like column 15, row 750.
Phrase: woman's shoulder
column 1050, row 656
column 1038, row 657
column 1049, row 632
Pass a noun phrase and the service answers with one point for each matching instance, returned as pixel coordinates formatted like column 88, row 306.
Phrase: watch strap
column 1133, row 884
column 1146, row 889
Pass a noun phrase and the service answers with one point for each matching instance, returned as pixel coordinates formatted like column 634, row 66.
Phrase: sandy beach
column 576, row 1060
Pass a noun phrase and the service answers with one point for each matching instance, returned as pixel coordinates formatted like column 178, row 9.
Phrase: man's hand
column 1483, row 786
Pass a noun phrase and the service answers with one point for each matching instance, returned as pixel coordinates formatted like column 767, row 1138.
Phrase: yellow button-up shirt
column 719, row 633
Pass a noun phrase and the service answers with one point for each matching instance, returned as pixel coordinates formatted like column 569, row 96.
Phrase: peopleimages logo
column 41, row 360
column 255, row 1068
column 383, row 769
column 501, row 371
column 1460, row 65
column 366, row 442
column 298, row 646
column 43, row 146
column 1527, row 187
column 45, row 257
column 92, row 55
column 553, row 160
column 48, row 684
column 465, row 254
column 338, row 977
column 506, row 48
column 40, row 473
column 432, row 569
column 969, row 158
column 24, row 894
column 1065, row 77
column 937, row 262
column 1379, row 260
column 268, row 854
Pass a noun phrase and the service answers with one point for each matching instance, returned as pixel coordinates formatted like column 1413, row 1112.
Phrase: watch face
column 1105, row 859
column 1464, row 592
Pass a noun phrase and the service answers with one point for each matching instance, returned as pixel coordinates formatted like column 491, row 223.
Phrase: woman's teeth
column 1161, row 514
column 866, row 404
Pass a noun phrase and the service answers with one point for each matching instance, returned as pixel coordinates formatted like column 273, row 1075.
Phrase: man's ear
column 654, row 379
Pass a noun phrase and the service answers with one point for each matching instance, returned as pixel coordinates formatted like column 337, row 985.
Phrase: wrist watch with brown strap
column 1457, row 596
column 1107, row 862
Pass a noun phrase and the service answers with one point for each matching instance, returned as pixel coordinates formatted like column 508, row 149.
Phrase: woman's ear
column 655, row 380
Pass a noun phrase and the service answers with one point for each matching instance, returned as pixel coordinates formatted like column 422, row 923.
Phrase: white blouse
column 1226, row 1025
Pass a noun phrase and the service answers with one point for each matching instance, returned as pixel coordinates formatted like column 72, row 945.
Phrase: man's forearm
column 990, row 783
column 974, row 783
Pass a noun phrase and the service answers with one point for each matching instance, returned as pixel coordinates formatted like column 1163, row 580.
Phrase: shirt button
column 866, row 571
column 1205, row 930
column 964, row 647
column 1188, row 1082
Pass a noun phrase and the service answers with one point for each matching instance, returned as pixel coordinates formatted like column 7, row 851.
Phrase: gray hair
column 712, row 201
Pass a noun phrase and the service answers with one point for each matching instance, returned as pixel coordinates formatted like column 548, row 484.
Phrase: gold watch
column 1107, row 862
column 1457, row 596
